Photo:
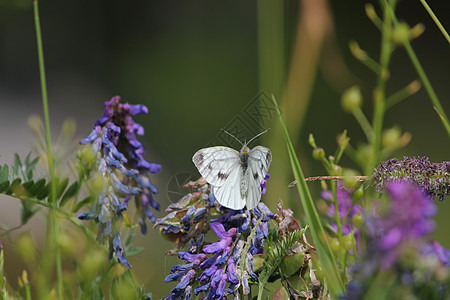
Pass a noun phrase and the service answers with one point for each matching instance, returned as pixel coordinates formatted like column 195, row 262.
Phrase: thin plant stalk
column 53, row 226
column 326, row 257
column 380, row 90
column 420, row 71
column 436, row 20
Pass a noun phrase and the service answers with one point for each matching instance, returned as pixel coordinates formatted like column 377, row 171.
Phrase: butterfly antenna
column 232, row 136
column 257, row 136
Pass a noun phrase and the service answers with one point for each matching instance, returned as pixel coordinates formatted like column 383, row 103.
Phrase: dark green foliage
column 62, row 187
column 70, row 192
column 82, row 203
column 276, row 253
column 18, row 181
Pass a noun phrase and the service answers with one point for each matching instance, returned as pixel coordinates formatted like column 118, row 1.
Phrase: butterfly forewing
column 216, row 164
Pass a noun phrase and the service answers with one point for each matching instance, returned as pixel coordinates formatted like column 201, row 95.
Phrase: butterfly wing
column 216, row 164
column 258, row 165
column 229, row 194
column 259, row 161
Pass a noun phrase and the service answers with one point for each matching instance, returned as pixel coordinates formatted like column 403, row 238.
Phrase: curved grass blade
column 323, row 248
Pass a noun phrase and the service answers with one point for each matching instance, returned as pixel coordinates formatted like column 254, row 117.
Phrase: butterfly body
column 235, row 176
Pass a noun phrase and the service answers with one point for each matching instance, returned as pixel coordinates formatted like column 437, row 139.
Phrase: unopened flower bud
column 318, row 153
column 358, row 194
column 391, row 138
column 343, row 140
column 350, row 178
column 312, row 141
column 335, row 245
column 401, row 34
column 358, row 219
column 351, row 99
column 348, row 242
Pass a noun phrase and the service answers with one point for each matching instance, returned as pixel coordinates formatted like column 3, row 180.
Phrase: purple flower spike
column 194, row 258
column 119, row 157
column 185, row 280
column 135, row 109
column 432, row 178
column 118, row 249
column 220, row 289
column 231, row 270
column 92, row 136
column 217, row 246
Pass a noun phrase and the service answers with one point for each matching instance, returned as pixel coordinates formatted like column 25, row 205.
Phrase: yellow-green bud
column 26, row 247
column 358, row 219
column 358, row 194
column 391, row 138
column 401, row 34
column 97, row 183
column 312, row 141
column 318, row 153
column 351, row 99
column 343, row 140
column 348, row 242
column 350, row 178
column 335, row 245
column 87, row 155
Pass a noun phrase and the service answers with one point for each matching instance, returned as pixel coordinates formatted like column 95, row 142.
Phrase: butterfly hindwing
column 258, row 163
column 253, row 192
column 229, row 194
column 216, row 164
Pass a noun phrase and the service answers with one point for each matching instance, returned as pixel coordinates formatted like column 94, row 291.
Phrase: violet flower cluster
column 225, row 265
column 346, row 209
column 399, row 243
column 123, row 170
column 432, row 178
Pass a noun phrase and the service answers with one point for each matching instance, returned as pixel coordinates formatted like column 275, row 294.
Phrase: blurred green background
column 201, row 66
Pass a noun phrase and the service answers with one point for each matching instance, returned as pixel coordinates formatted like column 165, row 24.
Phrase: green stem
column 422, row 75
column 67, row 215
column 426, row 83
column 380, row 90
column 53, row 218
column 247, row 245
column 364, row 123
column 402, row 94
column 27, row 291
column 436, row 20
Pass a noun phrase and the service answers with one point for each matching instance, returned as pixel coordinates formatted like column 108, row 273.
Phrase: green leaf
column 13, row 184
column 37, row 187
column 4, row 173
column 17, row 165
column 71, row 191
column 323, row 248
column 44, row 191
column 97, row 293
column 82, row 203
column 134, row 251
column 61, row 187
column 4, row 186
column 29, row 166
column 292, row 263
column 27, row 211
column 281, row 294
column 2, row 268
column 27, row 185
column 129, row 240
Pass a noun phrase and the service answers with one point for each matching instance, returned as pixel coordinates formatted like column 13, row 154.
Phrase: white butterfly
column 235, row 176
